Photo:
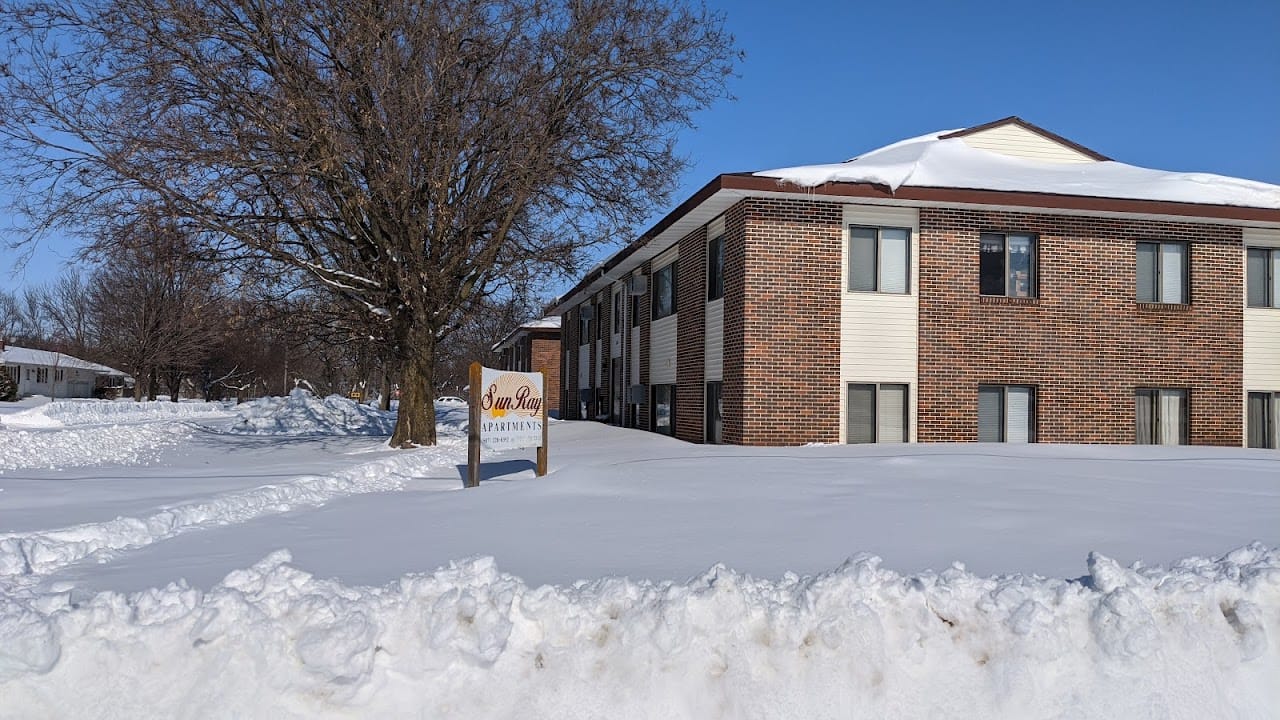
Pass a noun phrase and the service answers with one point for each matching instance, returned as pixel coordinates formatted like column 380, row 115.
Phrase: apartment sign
column 510, row 409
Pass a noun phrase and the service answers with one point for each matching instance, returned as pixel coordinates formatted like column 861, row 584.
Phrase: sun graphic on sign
column 511, row 394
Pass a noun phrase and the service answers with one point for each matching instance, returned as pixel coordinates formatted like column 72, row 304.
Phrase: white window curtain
column 1172, row 404
column 1275, row 278
column 893, row 260
column 891, row 414
column 1018, row 415
column 1172, row 271
column 1144, row 408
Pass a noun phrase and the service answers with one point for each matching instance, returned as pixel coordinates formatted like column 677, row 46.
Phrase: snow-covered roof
column 551, row 322
column 946, row 160
column 1006, row 163
column 13, row 355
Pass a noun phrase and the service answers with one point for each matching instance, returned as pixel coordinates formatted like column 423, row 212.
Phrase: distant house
column 535, row 347
column 58, row 375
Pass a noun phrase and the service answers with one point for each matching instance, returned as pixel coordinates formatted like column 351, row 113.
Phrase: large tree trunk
column 416, row 421
column 384, row 402
column 153, row 382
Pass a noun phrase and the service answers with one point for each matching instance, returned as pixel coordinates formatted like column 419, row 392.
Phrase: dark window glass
column 635, row 310
column 715, row 413
column 664, row 409
column 1262, row 419
column 715, row 268
column 1007, row 265
column 664, row 292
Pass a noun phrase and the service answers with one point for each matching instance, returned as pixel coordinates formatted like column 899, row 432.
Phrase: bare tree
column 65, row 306
column 410, row 155
column 156, row 304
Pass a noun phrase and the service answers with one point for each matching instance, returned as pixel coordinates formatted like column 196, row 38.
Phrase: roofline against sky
column 748, row 183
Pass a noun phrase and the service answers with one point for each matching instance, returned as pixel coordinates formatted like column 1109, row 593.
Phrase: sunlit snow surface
column 642, row 578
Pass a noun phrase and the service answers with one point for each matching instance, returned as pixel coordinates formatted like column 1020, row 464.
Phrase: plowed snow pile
column 1196, row 640
column 302, row 413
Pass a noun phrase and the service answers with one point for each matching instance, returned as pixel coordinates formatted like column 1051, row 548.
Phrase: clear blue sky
column 1176, row 85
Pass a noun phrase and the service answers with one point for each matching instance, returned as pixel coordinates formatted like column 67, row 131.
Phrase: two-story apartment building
column 535, row 347
column 995, row 283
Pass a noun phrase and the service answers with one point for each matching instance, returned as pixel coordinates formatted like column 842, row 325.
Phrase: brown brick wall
column 731, row 389
column 787, row 321
column 1084, row 342
column 546, row 353
column 691, row 328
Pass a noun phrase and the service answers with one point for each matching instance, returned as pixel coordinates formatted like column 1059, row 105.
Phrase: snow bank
column 67, row 413
column 1195, row 640
column 84, row 447
column 302, row 413
column 24, row 556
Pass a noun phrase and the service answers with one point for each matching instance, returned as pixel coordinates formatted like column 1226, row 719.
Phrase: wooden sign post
column 473, row 425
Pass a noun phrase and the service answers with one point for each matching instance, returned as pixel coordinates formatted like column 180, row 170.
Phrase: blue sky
column 1176, row 85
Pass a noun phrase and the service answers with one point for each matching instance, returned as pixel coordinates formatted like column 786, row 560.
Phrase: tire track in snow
column 35, row 554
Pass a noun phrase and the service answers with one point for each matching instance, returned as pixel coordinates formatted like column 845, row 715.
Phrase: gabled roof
column 1019, row 122
column 13, row 355
column 549, row 323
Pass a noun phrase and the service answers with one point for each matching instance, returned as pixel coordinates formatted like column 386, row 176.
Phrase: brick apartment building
column 535, row 347
column 995, row 283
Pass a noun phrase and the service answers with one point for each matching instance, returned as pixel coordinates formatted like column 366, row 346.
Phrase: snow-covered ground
column 277, row 560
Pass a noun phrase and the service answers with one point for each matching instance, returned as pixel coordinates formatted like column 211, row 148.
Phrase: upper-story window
column 715, row 268
column 584, row 324
column 879, row 259
column 1008, row 265
column 1162, row 272
column 1264, row 277
column 617, row 312
column 664, row 291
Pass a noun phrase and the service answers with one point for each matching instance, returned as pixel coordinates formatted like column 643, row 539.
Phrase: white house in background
column 58, row 375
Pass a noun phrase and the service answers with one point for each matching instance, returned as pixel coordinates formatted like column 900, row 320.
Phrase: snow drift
column 1194, row 640
column 302, row 413
column 68, row 413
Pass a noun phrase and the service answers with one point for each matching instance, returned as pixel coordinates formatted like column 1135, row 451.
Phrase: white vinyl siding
column 662, row 351
column 635, row 356
column 1261, row 329
column 878, row 331
column 713, row 365
column 584, row 367
column 1020, row 142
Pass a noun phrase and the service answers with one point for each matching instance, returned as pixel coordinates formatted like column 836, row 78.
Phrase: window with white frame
column 1162, row 272
column 15, row 373
column 1264, row 425
column 42, row 375
column 617, row 312
column 664, row 291
column 584, row 324
column 879, row 259
column 1161, row 416
column 877, row 413
column 1264, row 277
column 1007, row 265
column 715, row 268
column 1006, row 413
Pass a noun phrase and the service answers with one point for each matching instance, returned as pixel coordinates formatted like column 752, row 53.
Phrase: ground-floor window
column 664, row 409
column 42, row 375
column 1006, row 413
column 715, row 413
column 878, row 412
column 15, row 373
column 1161, row 416
column 1263, row 428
